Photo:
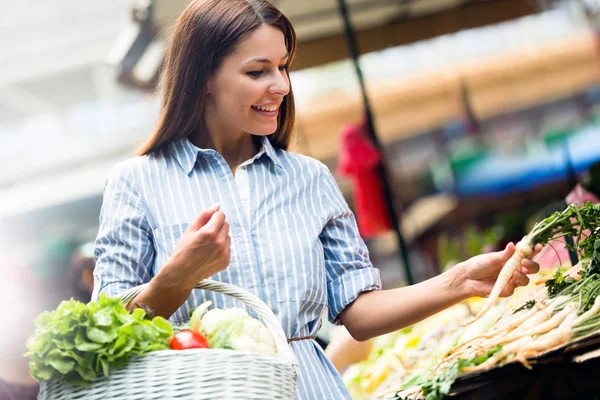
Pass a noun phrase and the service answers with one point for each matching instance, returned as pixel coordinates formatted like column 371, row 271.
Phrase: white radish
column 507, row 350
column 550, row 340
column 542, row 326
column 519, row 319
column 523, row 249
column 499, row 330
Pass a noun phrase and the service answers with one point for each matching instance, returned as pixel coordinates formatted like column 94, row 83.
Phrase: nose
column 281, row 84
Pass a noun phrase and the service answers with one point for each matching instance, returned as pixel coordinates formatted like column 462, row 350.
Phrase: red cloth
column 358, row 159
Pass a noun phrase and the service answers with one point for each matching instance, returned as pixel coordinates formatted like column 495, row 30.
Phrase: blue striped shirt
column 295, row 245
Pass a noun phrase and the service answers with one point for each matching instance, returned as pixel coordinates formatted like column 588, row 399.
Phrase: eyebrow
column 265, row 60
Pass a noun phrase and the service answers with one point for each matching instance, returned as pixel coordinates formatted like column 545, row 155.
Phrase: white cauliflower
column 233, row 328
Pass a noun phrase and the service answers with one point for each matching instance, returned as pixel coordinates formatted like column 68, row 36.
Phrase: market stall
column 542, row 342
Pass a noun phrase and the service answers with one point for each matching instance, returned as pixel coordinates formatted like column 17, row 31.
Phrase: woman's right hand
column 203, row 250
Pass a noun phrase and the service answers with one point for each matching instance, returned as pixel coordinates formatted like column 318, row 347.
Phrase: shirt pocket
column 293, row 258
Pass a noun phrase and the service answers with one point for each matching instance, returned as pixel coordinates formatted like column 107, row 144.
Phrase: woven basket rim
column 208, row 352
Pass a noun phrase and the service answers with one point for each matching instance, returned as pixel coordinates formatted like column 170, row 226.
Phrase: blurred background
column 483, row 113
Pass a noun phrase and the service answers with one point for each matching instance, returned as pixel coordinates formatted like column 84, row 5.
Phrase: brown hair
column 205, row 33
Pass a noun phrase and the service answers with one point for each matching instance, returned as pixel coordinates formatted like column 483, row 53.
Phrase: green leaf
column 84, row 344
column 103, row 318
column 86, row 374
column 42, row 372
column 62, row 365
column 105, row 367
column 100, row 335
column 558, row 283
column 118, row 345
column 163, row 326
column 527, row 306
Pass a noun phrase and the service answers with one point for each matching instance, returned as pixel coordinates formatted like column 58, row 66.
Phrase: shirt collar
column 186, row 153
column 270, row 151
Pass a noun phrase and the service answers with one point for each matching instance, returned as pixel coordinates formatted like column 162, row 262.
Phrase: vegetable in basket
column 77, row 342
column 188, row 339
column 232, row 328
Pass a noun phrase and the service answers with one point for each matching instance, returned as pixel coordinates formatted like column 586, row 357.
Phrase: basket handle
column 284, row 351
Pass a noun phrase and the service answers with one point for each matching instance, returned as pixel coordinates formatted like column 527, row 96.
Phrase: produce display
column 549, row 313
column 571, row 223
column 400, row 359
column 78, row 342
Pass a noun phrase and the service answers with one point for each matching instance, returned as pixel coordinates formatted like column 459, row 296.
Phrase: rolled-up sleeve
column 349, row 269
column 124, row 250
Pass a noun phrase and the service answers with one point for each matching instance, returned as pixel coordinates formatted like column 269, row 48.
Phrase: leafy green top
column 77, row 341
column 438, row 386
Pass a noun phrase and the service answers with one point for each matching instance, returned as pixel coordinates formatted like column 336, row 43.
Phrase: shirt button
column 245, row 198
column 243, row 167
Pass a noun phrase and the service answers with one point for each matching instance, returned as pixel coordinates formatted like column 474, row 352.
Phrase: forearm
column 162, row 296
column 379, row 312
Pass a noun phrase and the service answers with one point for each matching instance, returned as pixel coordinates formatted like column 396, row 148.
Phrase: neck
column 235, row 148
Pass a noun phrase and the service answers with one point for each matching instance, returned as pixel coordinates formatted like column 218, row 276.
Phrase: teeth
column 269, row 108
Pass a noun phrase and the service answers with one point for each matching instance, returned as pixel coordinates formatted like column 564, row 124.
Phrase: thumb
column 204, row 217
column 507, row 252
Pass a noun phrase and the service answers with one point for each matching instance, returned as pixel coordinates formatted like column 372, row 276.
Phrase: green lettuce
column 77, row 342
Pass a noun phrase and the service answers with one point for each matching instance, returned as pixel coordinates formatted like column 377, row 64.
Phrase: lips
column 267, row 110
column 270, row 108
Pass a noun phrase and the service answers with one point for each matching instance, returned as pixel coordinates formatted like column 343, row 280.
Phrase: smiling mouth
column 267, row 111
column 266, row 108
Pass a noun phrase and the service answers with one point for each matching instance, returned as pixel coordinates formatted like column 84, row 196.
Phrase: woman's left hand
column 478, row 274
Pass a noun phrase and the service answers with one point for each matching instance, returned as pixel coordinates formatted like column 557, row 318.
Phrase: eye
column 255, row 74
column 283, row 67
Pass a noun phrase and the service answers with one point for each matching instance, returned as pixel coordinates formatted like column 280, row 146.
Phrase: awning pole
column 382, row 168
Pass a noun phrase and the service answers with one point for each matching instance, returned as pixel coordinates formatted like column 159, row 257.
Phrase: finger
column 215, row 223
column 509, row 289
column 228, row 245
column 223, row 232
column 520, row 279
column 508, row 251
column 529, row 267
column 204, row 217
column 536, row 250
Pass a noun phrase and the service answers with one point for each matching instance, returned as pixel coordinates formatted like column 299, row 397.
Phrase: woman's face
column 245, row 93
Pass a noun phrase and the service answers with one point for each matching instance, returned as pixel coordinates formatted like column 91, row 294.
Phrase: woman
column 214, row 194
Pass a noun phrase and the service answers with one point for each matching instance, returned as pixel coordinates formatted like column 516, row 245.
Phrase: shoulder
column 128, row 168
column 137, row 167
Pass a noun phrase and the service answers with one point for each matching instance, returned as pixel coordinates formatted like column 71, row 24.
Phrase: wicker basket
column 197, row 373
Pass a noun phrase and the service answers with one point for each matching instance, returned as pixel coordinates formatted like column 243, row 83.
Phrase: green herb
column 558, row 283
column 77, row 341
column 594, row 259
column 438, row 387
column 571, row 222
column 527, row 306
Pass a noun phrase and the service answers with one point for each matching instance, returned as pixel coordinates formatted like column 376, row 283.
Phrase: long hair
column 205, row 33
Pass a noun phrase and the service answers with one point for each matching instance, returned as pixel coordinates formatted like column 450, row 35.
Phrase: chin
column 264, row 131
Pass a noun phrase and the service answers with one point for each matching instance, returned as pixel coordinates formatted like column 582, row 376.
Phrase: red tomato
column 188, row 339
